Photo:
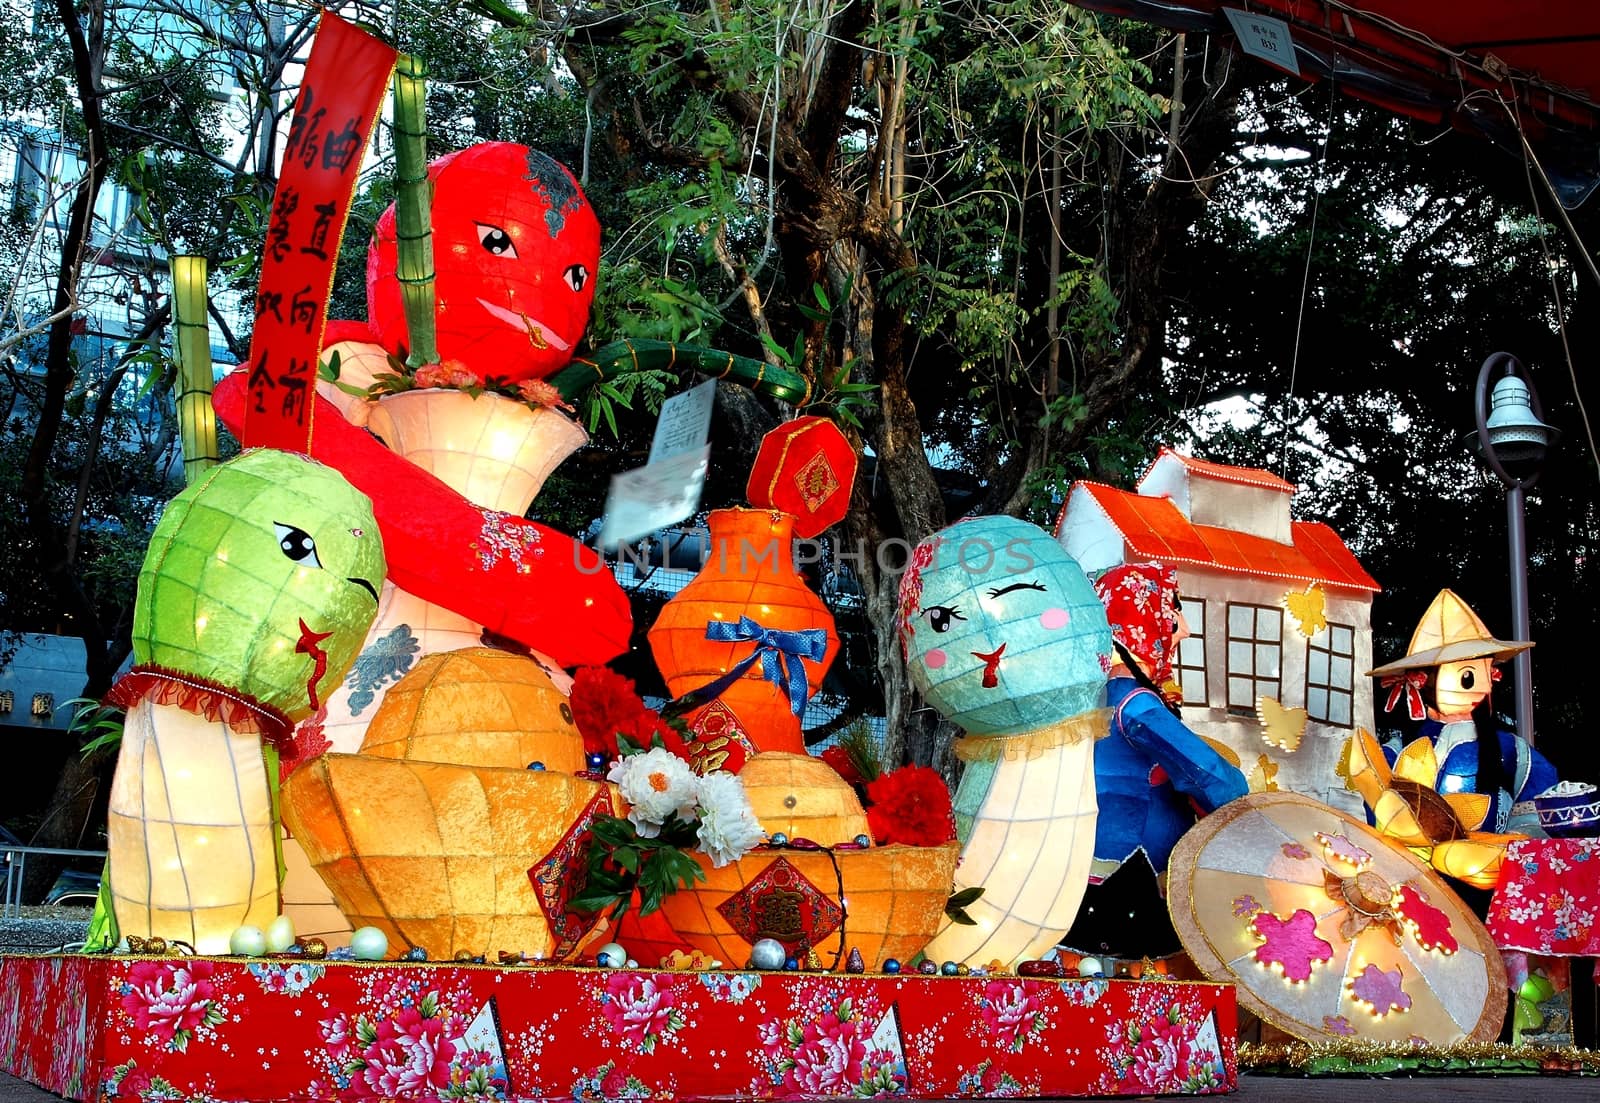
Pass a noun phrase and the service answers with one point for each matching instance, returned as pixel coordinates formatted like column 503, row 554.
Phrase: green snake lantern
column 256, row 591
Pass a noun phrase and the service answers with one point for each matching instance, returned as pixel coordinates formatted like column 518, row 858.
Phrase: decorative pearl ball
column 768, row 953
column 863, row 841
column 369, row 944
column 949, row 969
column 1090, row 967
column 280, row 934
column 596, row 761
column 247, row 941
column 611, row 956
column 891, row 965
column 536, row 765
column 779, row 839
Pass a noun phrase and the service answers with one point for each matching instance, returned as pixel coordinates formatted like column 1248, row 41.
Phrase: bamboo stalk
column 413, row 222
column 197, row 421
column 620, row 357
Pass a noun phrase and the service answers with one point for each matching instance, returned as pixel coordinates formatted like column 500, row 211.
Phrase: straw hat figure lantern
column 1463, row 783
column 1444, row 680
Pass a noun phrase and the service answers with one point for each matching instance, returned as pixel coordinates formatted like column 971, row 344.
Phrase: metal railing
column 14, row 869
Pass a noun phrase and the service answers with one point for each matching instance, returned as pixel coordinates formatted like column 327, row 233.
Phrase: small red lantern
column 804, row 467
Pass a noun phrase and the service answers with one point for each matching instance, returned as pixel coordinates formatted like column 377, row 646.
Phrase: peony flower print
column 641, row 1010
column 171, row 1002
column 829, row 1052
column 1012, row 1013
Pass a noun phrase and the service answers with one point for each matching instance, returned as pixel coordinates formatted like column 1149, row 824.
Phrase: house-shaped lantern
column 1279, row 610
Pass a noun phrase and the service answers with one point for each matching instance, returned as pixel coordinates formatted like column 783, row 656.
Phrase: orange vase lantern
column 749, row 637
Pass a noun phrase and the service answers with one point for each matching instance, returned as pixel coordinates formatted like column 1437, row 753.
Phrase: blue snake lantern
column 1004, row 636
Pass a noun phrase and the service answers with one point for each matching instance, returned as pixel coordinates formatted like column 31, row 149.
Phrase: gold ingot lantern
column 464, row 782
column 803, row 797
column 893, row 900
column 890, row 899
column 478, row 706
column 435, row 855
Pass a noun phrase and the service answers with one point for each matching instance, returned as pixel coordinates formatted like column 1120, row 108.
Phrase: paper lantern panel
column 477, row 707
column 516, row 247
column 805, row 467
column 262, row 577
column 189, row 830
column 1002, row 630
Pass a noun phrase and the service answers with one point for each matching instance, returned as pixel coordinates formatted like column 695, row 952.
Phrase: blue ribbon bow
column 780, row 653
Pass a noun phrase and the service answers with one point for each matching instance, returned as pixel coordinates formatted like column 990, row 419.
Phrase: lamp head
column 1512, row 437
column 1515, row 431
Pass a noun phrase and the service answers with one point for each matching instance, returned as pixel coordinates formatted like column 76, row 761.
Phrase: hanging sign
column 345, row 80
column 667, row 489
column 1264, row 37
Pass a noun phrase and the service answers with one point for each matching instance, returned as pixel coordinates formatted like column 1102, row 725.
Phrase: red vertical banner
column 345, row 81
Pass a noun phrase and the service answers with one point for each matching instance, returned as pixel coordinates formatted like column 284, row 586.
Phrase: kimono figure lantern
column 1152, row 773
column 1004, row 635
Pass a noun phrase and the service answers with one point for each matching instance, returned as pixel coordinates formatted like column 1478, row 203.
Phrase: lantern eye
column 940, row 616
column 1467, row 678
column 495, row 240
column 1004, row 590
column 576, row 276
column 297, row 545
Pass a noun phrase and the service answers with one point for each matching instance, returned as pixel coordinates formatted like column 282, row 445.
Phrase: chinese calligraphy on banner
column 344, row 85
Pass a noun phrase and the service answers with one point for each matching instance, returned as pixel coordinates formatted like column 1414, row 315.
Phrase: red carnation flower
column 649, row 725
column 604, row 703
column 911, row 805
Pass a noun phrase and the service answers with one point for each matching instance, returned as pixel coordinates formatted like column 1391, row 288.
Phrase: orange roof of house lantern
column 1154, row 528
column 804, row 467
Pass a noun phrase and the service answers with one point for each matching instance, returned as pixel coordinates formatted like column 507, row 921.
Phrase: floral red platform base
column 208, row 1029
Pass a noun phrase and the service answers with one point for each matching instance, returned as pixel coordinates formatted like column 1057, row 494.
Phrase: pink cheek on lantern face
column 1054, row 618
column 935, row 659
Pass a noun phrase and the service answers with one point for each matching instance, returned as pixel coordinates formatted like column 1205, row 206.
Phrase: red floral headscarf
column 1141, row 602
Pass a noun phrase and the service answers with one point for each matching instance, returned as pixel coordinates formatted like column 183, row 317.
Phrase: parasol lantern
column 1331, row 933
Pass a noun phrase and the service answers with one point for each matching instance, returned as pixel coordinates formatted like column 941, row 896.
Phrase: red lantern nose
column 991, row 665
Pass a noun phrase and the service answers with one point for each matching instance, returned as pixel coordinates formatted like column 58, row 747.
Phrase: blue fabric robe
column 1143, row 807
column 1529, row 772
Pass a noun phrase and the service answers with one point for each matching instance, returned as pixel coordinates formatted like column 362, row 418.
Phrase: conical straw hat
column 1450, row 632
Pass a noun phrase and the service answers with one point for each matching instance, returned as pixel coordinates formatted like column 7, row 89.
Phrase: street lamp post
column 1513, row 439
